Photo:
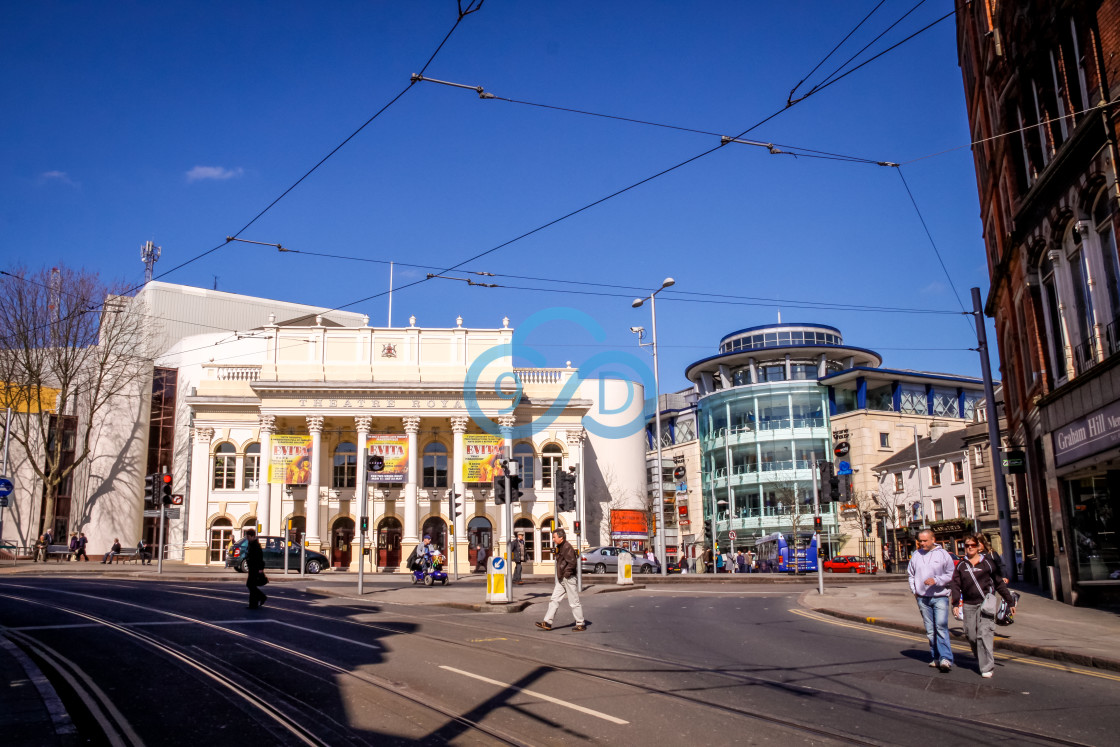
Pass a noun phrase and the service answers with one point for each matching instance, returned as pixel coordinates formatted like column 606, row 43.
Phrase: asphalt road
column 142, row 662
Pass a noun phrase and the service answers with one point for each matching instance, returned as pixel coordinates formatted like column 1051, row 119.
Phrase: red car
column 849, row 564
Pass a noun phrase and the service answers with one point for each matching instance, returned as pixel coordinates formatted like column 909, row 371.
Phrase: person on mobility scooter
column 426, row 564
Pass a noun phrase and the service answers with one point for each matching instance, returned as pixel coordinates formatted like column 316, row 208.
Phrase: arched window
column 552, row 461
column 251, row 481
column 225, row 466
column 345, row 466
column 435, row 465
column 1055, row 328
column 1106, row 233
column 525, row 457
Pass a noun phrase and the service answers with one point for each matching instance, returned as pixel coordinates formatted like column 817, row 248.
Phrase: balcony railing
column 1085, row 354
column 233, row 373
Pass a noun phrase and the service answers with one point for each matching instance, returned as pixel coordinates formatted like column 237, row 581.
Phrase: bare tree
column 70, row 345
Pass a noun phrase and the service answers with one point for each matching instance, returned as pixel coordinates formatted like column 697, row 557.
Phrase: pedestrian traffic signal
column 150, row 491
column 867, row 523
column 365, row 524
column 165, row 488
column 375, row 463
column 514, row 481
column 818, row 525
column 577, row 527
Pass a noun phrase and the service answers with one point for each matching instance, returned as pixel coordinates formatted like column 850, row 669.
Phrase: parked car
column 605, row 560
column 273, row 548
column 849, row 564
column 956, row 559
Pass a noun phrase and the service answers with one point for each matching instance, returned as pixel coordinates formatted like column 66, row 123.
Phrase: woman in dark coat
column 973, row 578
column 254, row 564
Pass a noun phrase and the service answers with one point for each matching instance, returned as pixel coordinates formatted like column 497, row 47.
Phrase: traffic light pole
column 508, row 510
column 162, row 519
column 579, row 539
column 816, row 514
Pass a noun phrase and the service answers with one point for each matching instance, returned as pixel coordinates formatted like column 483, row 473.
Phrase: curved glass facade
column 774, row 337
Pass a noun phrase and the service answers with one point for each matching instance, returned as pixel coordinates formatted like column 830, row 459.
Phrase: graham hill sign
column 1085, row 436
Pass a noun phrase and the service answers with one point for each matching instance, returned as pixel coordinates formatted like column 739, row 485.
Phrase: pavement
column 1043, row 628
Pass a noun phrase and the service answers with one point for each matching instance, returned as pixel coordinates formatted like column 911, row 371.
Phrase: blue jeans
column 935, row 615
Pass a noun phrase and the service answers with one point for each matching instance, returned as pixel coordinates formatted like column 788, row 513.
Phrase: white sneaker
column 986, row 675
column 945, row 665
column 933, row 664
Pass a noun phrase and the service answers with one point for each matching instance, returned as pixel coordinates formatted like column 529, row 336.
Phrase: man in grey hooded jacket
column 930, row 571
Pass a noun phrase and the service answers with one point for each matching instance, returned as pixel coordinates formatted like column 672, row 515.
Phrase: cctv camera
column 637, row 330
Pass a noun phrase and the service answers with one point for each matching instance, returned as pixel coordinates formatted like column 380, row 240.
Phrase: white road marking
column 542, row 696
column 701, row 591
column 150, row 623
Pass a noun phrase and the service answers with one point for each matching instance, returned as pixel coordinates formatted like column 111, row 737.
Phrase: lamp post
column 918, row 461
column 657, row 419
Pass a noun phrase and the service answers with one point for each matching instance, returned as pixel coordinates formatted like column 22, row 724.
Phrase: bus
column 774, row 553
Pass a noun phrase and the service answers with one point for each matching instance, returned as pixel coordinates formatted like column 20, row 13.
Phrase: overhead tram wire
column 789, row 99
column 679, row 295
column 648, row 178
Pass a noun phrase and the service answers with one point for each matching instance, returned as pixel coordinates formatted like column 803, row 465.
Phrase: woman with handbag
column 975, row 586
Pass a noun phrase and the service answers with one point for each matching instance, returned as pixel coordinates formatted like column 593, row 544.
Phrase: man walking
column 517, row 556
column 566, row 560
column 254, row 564
column 930, row 570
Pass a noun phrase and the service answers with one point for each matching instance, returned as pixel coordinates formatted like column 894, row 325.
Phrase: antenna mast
column 149, row 255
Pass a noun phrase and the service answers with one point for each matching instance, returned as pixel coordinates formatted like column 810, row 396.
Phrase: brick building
column 1038, row 78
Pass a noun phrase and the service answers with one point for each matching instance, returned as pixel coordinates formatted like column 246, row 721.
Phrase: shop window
column 1095, row 526
column 225, row 466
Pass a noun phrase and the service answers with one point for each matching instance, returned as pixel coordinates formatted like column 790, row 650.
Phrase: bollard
column 625, row 569
column 497, row 592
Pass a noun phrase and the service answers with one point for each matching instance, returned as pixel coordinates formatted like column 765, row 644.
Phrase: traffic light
column 456, row 504
column 150, row 491
column 867, row 523
column 833, row 485
column 514, row 481
column 375, row 463
column 818, row 525
column 499, row 485
column 846, row 489
column 577, row 527
column 365, row 524
column 565, row 491
column 165, row 488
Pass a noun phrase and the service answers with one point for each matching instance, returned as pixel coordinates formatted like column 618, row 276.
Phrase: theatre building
column 279, row 427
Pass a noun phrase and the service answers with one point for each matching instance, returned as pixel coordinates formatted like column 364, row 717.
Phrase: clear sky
column 179, row 122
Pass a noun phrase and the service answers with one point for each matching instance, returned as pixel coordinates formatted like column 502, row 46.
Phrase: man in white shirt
column 930, row 571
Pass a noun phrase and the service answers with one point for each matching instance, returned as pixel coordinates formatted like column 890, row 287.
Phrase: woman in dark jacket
column 992, row 557
column 974, row 577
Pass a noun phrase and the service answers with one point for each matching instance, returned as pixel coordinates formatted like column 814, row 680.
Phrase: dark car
column 603, row 559
column 273, row 548
column 849, row 564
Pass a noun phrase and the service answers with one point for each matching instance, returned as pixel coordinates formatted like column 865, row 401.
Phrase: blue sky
column 180, row 122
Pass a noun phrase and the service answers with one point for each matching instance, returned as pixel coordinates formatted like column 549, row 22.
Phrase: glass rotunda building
column 763, row 424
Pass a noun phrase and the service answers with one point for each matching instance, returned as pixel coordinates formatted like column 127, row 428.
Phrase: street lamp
column 657, row 417
column 918, row 460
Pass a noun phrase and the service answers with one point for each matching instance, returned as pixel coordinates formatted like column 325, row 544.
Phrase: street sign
column 844, row 468
column 3, row 501
column 842, row 449
column 173, row 513
column 1015, row 463
column 732, row 535
column 153, row 513
column 6, row 487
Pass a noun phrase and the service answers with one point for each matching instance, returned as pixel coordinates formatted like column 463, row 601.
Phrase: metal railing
column 1085, row 354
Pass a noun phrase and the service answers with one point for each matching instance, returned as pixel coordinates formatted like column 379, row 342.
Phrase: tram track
column 934, row 721
column 198, row 662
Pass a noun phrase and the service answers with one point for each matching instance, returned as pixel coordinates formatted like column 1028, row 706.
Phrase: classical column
column 575, row 453
column 459, row 427
column 195, row 552
column 311, row 503
column 264, row 489
column 411, row 509
column 361, row 494
column 505, row 423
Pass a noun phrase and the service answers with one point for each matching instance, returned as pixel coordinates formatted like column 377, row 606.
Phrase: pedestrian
column 82, row 541
column 741, row 562
column 750, row 561
column 143, row 552
column 888, row 562
column 480, row 560
column 114, row 551
column 975, row 577
column 40, row 549
column 565, row 583
column 719, row 563
column 992, row 557
column 930, row 571
column 684, row 562
column 73, row 546
column 48, row 540
column 517, row 556
column 709, row 564
column 254, row 564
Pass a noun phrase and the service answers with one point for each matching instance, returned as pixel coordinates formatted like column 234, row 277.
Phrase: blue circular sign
column 6, row 487
column 498, row 563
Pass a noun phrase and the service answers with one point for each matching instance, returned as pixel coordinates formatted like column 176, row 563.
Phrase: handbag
column 262, row 579
column 990, row 606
